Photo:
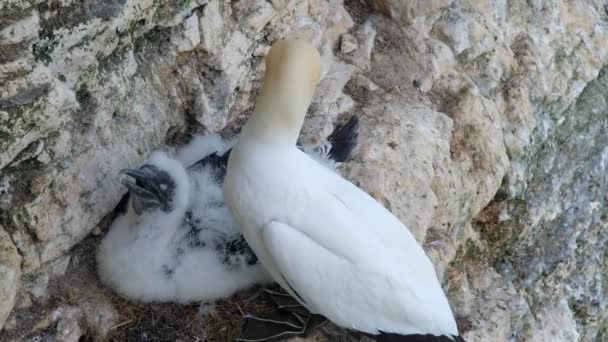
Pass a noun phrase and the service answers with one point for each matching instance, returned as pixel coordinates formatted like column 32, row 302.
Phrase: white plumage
column 154, row 257
column 177, row 241
column 321, row 238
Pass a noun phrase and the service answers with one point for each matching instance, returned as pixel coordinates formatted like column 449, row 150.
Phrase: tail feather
column 390, row 337
column 343, row 140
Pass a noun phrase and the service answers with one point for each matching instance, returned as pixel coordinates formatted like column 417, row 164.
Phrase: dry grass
column 80, row 287
column 216, row 322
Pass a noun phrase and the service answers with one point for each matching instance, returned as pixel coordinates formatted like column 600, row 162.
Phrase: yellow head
column 293, row 69
column 293, row 64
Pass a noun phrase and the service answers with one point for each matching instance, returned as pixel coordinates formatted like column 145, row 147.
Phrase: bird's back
column 381, row 244
column 387, row 271
column 371, row 217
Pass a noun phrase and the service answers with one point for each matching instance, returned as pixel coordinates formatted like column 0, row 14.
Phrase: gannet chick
column 177, row 241
column 159, row 251
column 328, row 243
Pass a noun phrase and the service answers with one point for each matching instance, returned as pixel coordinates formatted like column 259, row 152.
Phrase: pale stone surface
column 483, row 128
column 10, row 272
column 254, row 14
column 348, row 43
column 189, row 36
column 10, row 324
column 68, row 329
column 365, row 36
column 411, row 12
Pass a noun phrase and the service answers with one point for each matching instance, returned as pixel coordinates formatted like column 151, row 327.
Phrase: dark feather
column 217, row 162
column 343, row 140
column 391, row 337
column 233, row 252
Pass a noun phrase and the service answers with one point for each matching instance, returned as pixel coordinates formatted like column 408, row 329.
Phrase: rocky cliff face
column 484, row 128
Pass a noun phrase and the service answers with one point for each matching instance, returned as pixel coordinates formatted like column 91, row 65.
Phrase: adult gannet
column 177, row 241
column 325, row 241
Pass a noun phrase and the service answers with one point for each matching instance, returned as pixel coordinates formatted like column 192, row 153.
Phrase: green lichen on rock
column 15, row 121
column 98, row 84
column 43, row 50
column 10, row 273
column 564, row 204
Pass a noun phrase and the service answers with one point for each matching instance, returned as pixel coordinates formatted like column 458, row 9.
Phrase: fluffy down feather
column 194, row 251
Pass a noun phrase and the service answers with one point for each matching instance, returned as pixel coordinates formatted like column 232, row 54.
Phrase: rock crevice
column 484, row 128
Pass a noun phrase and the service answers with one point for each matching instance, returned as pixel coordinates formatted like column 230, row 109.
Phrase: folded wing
column 358, row 265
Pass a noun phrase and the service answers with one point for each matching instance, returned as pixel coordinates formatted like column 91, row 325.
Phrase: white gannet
column 328, row 243
column 177, row 241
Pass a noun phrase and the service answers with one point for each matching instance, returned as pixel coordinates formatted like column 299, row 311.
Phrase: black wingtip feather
column 218, row 163
column 390, row 337
column 343, row 140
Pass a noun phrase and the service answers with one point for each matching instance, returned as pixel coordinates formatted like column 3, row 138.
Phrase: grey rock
column 27, row 96
column 104, row 8
column 10, row 272
column 68, row 328
column 348, row 43
column 483, row 128
column 254, row 14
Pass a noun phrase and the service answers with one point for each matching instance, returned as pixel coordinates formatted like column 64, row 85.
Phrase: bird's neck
column 277, row 119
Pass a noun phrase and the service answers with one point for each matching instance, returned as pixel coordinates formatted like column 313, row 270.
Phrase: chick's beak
column 141, row 186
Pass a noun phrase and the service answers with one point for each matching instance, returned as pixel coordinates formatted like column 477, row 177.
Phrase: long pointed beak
column 151, row 187
column 143, row 178
column 142, row 199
